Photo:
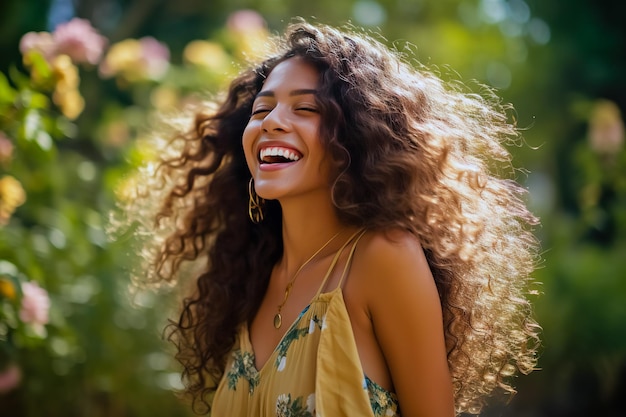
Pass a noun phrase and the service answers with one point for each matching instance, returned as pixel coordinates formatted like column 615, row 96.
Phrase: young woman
column 358, row 255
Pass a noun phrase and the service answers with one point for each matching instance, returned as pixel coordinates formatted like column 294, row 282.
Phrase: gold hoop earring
column 255, row 204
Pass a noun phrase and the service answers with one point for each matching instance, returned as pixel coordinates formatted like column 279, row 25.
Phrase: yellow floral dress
column 314, row 371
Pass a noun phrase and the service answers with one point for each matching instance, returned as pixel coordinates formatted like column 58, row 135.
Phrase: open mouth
column 278, row 155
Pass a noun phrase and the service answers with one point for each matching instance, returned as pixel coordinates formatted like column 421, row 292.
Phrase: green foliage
column 99, row 354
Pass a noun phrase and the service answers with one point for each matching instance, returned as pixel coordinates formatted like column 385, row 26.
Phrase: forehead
column 292, row 74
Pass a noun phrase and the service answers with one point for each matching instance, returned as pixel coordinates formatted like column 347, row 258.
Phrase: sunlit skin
column 389, row 292
column 285, row 116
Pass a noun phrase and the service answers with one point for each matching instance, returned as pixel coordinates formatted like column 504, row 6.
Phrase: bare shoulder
column 395, row 286
column 390, row 261
column 395, row 240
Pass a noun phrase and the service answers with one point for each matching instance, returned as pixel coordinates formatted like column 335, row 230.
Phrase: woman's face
column 281, row 141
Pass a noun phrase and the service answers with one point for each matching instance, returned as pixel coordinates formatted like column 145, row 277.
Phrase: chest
column 314, row 370
column 288, row 304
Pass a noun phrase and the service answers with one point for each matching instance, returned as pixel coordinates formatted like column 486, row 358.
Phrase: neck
column 307, row 225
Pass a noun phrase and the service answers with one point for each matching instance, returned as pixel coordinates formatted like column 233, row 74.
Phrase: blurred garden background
column 77, row 98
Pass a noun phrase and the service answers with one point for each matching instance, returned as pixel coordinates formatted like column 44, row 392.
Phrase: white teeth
column 276, row 151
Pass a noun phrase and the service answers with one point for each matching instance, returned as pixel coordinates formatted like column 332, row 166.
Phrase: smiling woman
column 286, row 121
column 358, row 254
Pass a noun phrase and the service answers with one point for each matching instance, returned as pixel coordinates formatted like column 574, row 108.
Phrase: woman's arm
column 405, row 311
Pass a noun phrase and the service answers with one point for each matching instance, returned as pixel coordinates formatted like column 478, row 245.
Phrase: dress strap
column 336, row 259
column 350, row 256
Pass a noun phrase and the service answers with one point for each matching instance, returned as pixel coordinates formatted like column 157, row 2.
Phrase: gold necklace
column 278, row 318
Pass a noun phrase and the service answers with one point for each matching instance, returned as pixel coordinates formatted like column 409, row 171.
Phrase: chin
column 268, row 191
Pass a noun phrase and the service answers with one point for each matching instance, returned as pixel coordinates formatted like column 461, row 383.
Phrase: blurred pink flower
column 35, row 306
column 41, row 42
column 245, row 21
column 6, row 149
column 248, row 30
column 10, row 378
column 80, row 41
column 155, row 56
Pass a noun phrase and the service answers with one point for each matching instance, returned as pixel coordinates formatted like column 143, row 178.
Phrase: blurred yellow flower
column 253, row 44
column 606, row 128
column 122, row 57
column 136, row 60
column 66, row 94
column 65, row 73
column 12, row 195
column 7, row 288
column 70, row 102
column 163, row 98
column 206, row 54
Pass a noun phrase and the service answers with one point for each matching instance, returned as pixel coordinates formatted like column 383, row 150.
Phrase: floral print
column 383, row 402
column 285, row 407
column 287, row 384
column 316, row 322
column 293, row 334
column 243, row 367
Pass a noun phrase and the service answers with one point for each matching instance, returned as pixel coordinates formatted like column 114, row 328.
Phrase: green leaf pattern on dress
column 383, row 402
column 243, row 367
column 285, row 407
column 293, row 334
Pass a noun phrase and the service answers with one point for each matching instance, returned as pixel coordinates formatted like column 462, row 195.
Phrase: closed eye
column 311, row 109
column 259, row 111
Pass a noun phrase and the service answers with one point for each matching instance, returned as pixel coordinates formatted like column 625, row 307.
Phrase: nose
column 275, row 121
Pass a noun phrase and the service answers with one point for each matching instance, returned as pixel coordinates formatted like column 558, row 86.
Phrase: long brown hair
column 413, row 152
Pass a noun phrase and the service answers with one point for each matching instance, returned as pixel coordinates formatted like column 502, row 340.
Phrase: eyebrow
column 299, row 92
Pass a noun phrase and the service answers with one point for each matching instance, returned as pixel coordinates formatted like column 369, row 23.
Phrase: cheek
column 248, row 140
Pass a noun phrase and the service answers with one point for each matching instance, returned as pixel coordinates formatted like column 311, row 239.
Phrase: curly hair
column 414, row 153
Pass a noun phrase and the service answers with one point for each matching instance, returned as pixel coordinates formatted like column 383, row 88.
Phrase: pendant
column 278, row 321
